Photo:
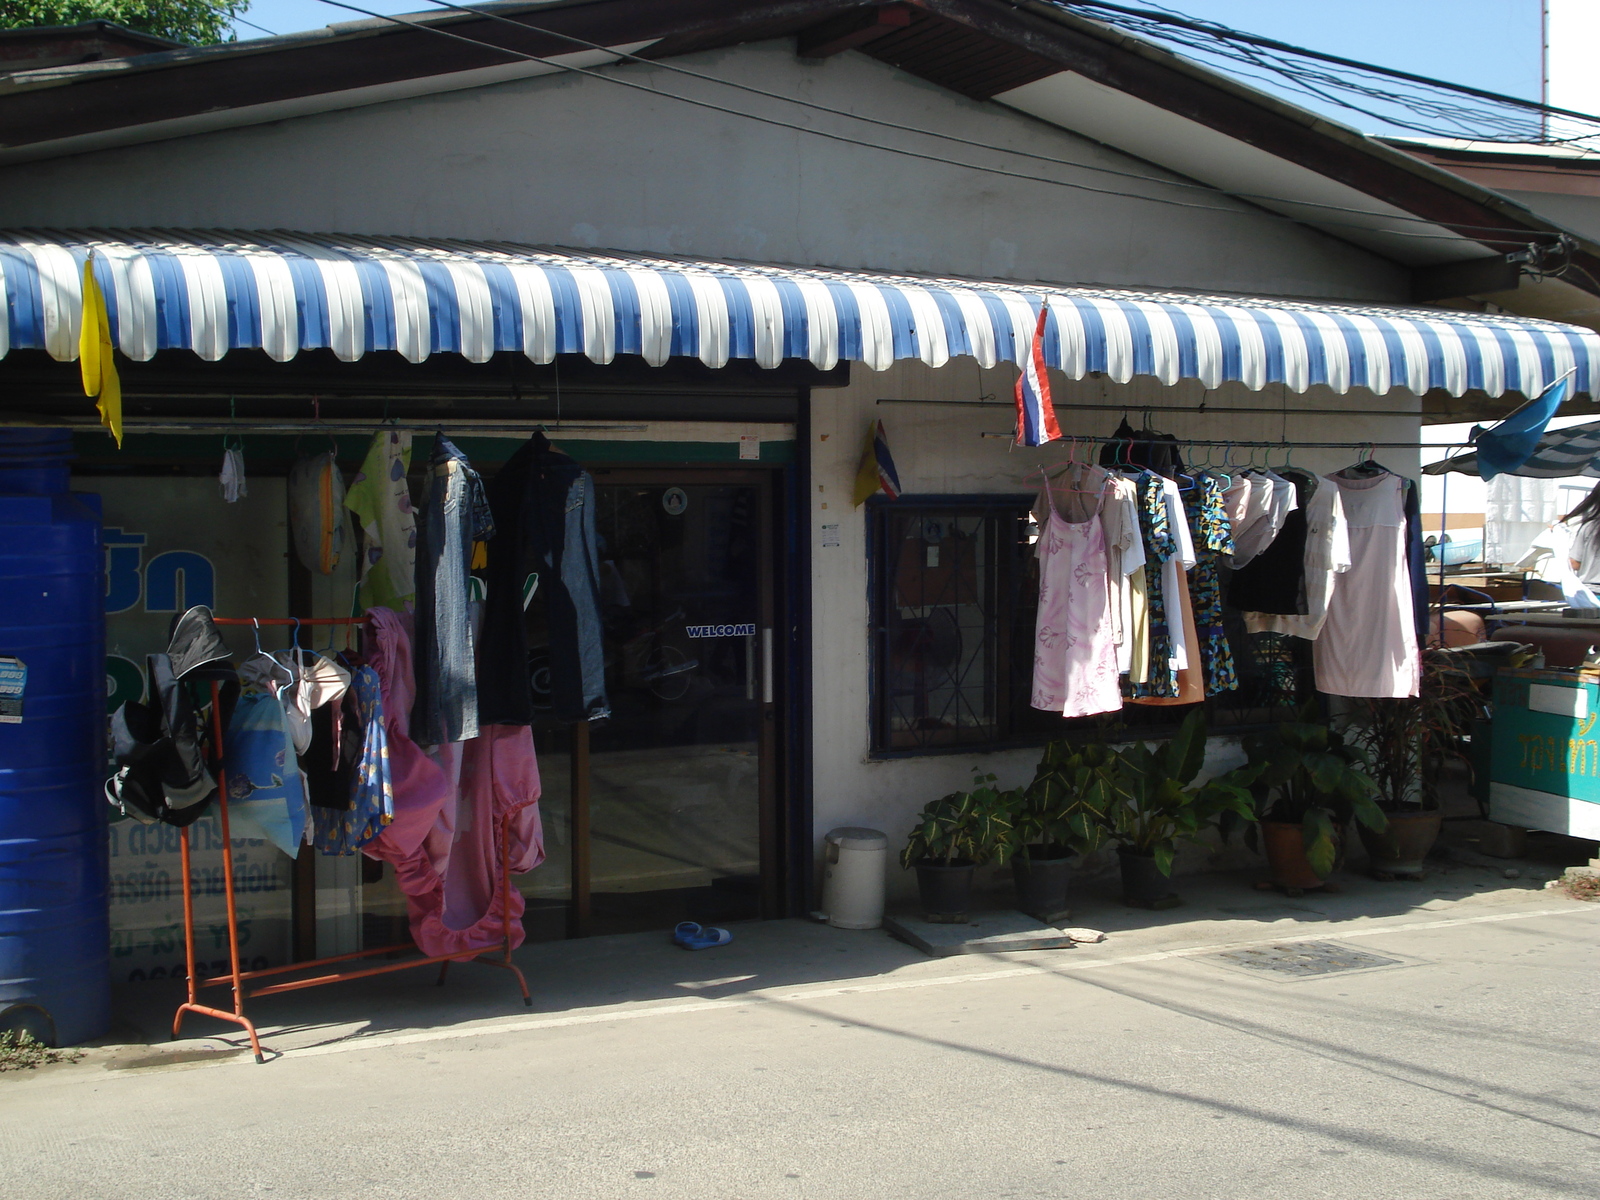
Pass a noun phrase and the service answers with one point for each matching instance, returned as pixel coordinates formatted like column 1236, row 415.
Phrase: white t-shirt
column 1178, row 524
column 1119, row 519
column 1253, row 531
column 1327, row 555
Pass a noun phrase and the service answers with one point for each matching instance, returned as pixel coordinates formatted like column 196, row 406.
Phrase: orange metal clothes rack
column 237, row 978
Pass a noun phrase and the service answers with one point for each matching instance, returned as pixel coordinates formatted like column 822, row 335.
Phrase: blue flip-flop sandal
column 703, row 939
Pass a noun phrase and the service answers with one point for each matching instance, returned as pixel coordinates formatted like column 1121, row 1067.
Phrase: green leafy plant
column 197, row 22
column 1407, row 742
column 19, row 1051
column 973, row 825
column 1153, row 805
column 1064, row 807
column 1310, row 775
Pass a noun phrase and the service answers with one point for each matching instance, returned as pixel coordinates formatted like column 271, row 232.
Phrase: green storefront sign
column 1545, row 765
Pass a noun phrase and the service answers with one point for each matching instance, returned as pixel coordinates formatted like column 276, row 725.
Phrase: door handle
column 766, row 666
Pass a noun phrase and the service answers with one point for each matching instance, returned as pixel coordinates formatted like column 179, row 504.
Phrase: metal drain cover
column 1305, row 958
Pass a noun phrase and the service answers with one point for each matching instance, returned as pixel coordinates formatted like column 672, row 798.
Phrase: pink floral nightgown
column 1075, row 654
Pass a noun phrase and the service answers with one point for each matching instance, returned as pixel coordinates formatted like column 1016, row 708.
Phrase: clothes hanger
column 1052, row 477
column 1220, row 472
column 1366, row 468
column 255, row 624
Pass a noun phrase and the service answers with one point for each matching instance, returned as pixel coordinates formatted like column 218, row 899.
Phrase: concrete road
column 1465, row 1066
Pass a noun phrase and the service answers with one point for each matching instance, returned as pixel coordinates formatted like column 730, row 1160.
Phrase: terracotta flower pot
column 1402, row 849
column 1283, row 842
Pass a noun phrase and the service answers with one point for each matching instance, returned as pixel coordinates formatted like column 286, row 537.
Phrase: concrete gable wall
column 575, row 161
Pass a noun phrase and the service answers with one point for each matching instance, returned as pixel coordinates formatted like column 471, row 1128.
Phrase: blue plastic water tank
column 54, row 935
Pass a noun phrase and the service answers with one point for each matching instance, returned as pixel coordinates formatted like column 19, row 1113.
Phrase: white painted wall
column 576, row 161
column 940, row 451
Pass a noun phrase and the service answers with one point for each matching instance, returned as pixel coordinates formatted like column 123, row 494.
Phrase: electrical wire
column 898, row 150
column 253, row 25
column 676, row 69
column 1431, row 103
column 1171, row 16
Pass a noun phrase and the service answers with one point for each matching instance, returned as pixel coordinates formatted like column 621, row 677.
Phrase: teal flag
column 1511, row 443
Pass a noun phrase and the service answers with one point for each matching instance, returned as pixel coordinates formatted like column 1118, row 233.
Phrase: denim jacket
column 544, row 516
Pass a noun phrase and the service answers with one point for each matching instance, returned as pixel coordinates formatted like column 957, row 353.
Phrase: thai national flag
column 875, row 472
column 1036, row 415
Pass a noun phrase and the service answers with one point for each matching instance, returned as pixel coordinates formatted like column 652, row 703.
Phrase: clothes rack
column 236, row 978
column 1243, row 444
column 1187, row 410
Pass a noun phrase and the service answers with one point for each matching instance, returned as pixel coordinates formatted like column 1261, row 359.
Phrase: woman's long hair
column 1587, row 510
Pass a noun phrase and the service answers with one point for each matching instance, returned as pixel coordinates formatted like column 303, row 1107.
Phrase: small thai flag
column 876, row 472
column 1036, row 415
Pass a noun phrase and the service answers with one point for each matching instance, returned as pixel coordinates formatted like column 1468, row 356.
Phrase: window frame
column 1005, row 564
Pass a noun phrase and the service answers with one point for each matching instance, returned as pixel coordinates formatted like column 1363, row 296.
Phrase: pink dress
column 1075, row 651
column 460, row 907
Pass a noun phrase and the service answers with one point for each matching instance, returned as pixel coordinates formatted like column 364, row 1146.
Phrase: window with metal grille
column 954, row 594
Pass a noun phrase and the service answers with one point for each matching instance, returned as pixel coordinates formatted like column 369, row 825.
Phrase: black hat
column 196, row 643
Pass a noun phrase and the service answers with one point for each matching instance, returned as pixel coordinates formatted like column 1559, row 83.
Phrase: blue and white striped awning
column 213, row 291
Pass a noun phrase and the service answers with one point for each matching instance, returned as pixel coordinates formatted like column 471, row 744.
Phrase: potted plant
column 1057, row 816
column 1407, row 744
column 1309, row 785
column 951, row 837
column 1153, row 806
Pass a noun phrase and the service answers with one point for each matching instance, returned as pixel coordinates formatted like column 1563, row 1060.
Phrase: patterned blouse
column 1213, row 538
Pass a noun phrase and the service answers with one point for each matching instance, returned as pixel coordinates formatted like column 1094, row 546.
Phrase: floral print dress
column 1159, row 546
column 345, row 831
column 1214, row 538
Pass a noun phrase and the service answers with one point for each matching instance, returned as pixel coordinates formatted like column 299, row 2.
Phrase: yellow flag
column 94, row 355
column 867, row 482
column 876, row 471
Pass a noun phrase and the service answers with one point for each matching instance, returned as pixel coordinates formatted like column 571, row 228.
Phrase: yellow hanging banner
column 94, row 354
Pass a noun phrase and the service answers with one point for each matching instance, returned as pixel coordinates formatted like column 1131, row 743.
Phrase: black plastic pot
column 1143, row 884
column 1042, row 874
column 946, row 890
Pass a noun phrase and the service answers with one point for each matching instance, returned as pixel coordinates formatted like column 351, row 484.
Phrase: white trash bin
column 853, row 876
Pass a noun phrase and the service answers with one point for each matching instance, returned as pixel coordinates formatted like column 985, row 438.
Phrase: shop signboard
column 13, row 684
column 1545, row 763
column 172, row 543
column 147, row 900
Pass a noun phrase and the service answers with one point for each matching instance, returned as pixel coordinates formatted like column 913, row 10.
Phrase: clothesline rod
column 1189, row 410
column 1244, row 445
column 463, row 428
column 287, row 620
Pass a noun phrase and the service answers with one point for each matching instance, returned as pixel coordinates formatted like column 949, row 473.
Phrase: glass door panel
column 675, row 774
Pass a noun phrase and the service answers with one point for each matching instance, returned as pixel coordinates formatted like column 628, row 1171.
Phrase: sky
column 1492, row 44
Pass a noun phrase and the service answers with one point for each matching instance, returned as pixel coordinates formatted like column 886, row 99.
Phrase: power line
column 253, row 25
column 1290, row 65
column 1215, row 29
column 848, row 140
